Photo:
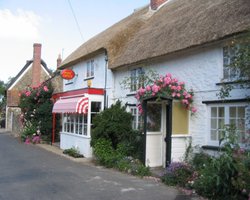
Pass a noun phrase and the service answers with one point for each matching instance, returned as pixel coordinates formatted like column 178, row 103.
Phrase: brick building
column 33, row 73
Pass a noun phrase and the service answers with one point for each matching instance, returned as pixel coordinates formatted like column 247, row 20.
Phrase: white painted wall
column 82, row 143
column 200, row 69
column 98, row 81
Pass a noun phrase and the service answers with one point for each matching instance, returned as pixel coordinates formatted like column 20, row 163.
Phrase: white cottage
column 189, row 39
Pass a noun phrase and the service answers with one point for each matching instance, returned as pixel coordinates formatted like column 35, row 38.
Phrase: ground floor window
column 227, row 114
column 75, row 123
column 137, row 120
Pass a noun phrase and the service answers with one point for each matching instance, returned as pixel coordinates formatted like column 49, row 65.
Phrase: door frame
column 168, row 138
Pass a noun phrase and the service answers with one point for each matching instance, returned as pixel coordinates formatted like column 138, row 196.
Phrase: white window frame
column 90, row 69
column 137, row 118
column 136, row 79
column 75, row 123
column 226, row 107
column 229, row 52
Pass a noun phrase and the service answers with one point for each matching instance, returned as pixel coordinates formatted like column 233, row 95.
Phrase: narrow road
column 28, row 172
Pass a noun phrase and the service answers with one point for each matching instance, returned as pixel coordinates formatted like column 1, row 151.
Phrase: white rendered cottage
column 189, row 39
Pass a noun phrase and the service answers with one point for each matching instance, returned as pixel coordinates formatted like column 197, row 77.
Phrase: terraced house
column 192, row 40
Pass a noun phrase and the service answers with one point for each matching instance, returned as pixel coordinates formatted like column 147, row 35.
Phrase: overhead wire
column 76, row 21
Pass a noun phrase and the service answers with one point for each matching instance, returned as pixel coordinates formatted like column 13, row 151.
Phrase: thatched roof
column 178, row 25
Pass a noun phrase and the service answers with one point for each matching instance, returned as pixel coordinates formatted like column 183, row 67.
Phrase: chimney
column 58, row 61
column 155, row 4
column 36, row 68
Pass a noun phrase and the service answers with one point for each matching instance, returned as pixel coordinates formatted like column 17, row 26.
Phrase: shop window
column 75, row 123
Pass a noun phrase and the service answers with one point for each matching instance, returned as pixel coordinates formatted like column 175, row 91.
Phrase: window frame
column 137, row 124
column 136, row 79
column 226, row 118
column 229, row 52
column 75, row 122
column 90, row 69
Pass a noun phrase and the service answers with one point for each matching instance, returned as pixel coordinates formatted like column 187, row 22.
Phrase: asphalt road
column 29, row 172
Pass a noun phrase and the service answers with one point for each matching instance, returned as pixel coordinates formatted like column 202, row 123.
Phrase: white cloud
column 22, row 25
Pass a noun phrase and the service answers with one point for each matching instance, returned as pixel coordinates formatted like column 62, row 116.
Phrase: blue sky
column 51, row 23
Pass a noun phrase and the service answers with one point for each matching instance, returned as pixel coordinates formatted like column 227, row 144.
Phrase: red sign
column 67, row 74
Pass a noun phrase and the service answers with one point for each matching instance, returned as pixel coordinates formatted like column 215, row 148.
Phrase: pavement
column 29, row 172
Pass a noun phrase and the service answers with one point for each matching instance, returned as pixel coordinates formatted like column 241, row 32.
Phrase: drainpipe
column 105, row 79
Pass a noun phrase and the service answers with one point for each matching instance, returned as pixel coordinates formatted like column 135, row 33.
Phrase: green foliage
column 116, row 158
column 113, row 124
column 177, row 173
column 28, row 131
column 228, row 175
column 74, row 152
column 36, row 108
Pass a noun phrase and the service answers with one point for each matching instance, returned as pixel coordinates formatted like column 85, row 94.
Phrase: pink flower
column 45, row 88
column 169, row 75
column 182, row 83
column 185, row 101
column 178, row 88
column 173, row 94
column 140, row 108
column 173, row 87
column 194, row 110
column 167, row 80
column 27, row 140
column 155, row 88
column 148, row 88
column 178, row 94
column 28, row 93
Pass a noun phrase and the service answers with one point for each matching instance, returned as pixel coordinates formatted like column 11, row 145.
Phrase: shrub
column 177, row 173
column 113, row 124
column 74, row 152
column 226, row 176
column 36, row 107
column 104, row 153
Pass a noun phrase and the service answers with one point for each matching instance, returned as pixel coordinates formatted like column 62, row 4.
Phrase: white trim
column 20, row 76
column 31, row 64
column 226, row 118
column 75, row 135
column 181, row 136
column 45, row 70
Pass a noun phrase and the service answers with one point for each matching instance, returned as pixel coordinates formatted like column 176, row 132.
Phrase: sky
column 52, row 23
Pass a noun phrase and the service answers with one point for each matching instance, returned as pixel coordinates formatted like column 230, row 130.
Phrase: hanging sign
column 67, row 74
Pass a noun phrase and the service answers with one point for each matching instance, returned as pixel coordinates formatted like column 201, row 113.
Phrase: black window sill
column 213, row 148
column 225, row 82
column 131, row 94
column 89, row 78
column 69, row 83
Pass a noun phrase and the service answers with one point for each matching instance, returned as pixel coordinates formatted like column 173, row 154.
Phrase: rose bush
column 167, row 86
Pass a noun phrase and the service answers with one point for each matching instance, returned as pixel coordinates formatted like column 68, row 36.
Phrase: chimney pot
column 155, row 4
column 58, row 61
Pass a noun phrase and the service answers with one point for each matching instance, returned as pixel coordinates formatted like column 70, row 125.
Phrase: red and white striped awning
column 71, row 105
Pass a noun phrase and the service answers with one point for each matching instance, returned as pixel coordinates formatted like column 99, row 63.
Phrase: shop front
column 77, row 109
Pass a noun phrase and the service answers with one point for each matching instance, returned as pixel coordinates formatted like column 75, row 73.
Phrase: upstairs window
column 90, row 69
column 136, row 79
column 229, row 56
